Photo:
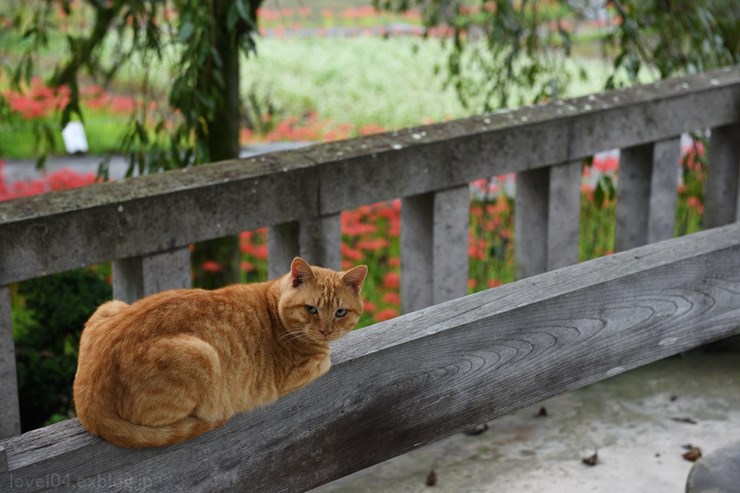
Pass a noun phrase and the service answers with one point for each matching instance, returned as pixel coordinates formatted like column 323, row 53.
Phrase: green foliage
column 501, row 45
column 46, row 342
column 140, row 31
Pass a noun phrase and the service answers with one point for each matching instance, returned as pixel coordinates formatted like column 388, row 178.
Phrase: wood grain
column 40, row 234
column 403, row 383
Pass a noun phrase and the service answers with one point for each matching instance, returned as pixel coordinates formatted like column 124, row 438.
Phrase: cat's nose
column 326, row 330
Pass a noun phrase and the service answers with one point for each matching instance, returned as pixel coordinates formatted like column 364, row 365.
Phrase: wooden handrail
column 42, row 234
column 403, row 383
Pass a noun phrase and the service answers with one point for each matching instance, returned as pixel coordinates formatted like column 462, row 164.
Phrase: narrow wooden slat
column 420, row 377
column 434, row 244
column 530, row 222
column 646, row 193
column 282, row 247
column 546, row 219
column 564, row 213
column 663, row 190
column 136, row 277
column 321, row 240
column 451, row 224
column 633, row 197
column 10, row 421
column 417, row 237
column 722, row 200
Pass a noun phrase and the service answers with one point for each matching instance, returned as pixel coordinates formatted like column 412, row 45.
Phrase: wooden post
column 564, row 215
column 646, row 193
column 10, row 420
column 136, row 277
column 282, row 246
column 317, row 240
column 663, row 190
column 434, row 247
column 546, row 219
column 321, row 240
column 722, row 200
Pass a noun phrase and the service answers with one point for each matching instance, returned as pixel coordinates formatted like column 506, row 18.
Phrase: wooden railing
column 409, row 381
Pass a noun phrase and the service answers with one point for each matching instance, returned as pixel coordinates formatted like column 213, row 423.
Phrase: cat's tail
column 125, row 434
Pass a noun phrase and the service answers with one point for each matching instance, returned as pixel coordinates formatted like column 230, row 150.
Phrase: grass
column 388, row 82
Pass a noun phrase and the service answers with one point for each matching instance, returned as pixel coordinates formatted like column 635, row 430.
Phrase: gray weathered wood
column 663, row 190
column 646, row 193
column 722, row 200
column 434, row 247
column 282, row 247
column 10, row 421
column 423, row 376
column 317, row 240
column 633, row 197
column 548, row 202
column 136, row 277
column 320, row 240
column 3, row 460
column 41, row 234
column 564, row 215
column 530, row 222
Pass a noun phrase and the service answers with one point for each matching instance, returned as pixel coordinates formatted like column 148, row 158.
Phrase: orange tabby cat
column 179, row 363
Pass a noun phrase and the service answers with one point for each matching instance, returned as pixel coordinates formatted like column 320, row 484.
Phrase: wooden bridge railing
column 422, row 376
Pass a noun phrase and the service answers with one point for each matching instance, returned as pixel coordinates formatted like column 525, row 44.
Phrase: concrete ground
column 639, row 422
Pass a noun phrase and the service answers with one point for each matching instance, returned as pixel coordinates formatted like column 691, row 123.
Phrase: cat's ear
column 300, row 272
column 355, row 277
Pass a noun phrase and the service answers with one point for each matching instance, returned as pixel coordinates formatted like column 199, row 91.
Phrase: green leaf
column 186, row 31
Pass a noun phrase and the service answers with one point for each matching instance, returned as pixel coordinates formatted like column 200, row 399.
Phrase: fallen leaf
column 431, row 478
column 693, row 454
column 592, row 460
column 476, row 429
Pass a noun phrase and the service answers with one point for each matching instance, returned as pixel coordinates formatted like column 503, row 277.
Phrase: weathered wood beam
column 317, row 240
column 434, row 247
column 320, row 241
column 722, row 194
column 546, row 218
column 136, row 277
column 646, row 193
column 403, row 383
column 10, row 420
column 41, row 234
column 282, row 247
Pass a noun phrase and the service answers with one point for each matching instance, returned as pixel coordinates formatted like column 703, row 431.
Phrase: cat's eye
column 341, row 312
column 312, row 309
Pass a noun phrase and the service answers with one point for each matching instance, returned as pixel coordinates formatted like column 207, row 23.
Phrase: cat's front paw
column 324, row 365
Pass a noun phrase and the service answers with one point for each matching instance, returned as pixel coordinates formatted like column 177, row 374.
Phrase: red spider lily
column 392, row 280
column 257, row 251
column 246, row 266
column 350, row 253
column 37, row 101
column 695, row 203
column 211, row 266
column 371, row 129
column 392, row 298
column 372, row 244
column 369, row 306
column 386, row 314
